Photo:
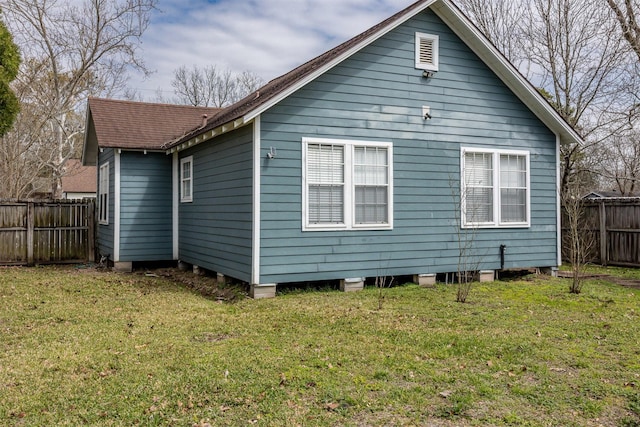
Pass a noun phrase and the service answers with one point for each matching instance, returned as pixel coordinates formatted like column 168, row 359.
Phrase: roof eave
column 179, row 145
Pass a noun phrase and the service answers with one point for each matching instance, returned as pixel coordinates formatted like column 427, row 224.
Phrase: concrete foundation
column 123, row 266
column 263, row 291
column 425, row 280
column 549, row 271
column 352, row 285
column 486, row 276
column 220, row 278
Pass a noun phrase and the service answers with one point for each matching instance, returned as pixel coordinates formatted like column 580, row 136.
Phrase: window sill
column 513, row 225
column 375, row 227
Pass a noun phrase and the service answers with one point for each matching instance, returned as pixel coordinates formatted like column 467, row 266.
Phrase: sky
column 266, row 37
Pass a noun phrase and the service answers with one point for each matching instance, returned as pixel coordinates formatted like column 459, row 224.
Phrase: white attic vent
column 426, row 52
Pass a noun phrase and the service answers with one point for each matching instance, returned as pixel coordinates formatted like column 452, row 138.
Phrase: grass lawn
column 100, row 348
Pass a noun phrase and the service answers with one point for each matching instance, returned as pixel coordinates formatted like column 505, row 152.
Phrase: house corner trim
column 255, row 238
column 558, row 204
column 175, row 211
column 116, row 206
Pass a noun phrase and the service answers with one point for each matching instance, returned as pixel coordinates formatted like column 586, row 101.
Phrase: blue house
column 372, row 159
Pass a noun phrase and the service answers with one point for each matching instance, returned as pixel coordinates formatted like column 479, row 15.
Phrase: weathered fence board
column 47, row 232
column 613, row 228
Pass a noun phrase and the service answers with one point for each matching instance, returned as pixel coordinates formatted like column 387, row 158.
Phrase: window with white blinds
column 346, row 184
column 495, row 188
column 325, row 177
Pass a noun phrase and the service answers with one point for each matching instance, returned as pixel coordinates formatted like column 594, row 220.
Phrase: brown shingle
column 78, row 178
column 138, row 125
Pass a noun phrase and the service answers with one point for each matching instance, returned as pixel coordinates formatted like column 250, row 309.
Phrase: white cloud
column 268, row 37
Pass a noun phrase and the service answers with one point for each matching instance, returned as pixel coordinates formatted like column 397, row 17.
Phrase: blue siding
column 377, row 94
column 215, row 229
column 145, row 207
column 104, row 233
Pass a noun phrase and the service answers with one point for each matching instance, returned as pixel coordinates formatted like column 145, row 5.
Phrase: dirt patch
column 207, row 286
column 629, row 283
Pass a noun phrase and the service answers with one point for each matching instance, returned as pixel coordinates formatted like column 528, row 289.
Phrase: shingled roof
column 141, row 125
column 78, row 178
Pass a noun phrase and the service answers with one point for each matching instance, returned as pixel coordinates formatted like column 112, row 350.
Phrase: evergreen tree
column 9, row 64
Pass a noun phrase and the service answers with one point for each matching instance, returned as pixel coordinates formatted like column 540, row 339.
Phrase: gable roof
column 279, row 88
column 137, row 125
column 610, row 195
column 78, row 178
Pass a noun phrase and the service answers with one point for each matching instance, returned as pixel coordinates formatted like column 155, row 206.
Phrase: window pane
column 478, row 169
column 186, row 170
column 371, row 205
column 479, row 205
column 514, row 205
column 325, row 164
column 325, row 204
column 186, row 189
column 513, row 171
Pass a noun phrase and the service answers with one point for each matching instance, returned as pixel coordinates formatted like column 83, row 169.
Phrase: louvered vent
column 427, row 52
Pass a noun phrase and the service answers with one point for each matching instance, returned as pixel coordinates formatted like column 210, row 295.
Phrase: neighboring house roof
column 610, row 195
column 78, row 178
column 137, row 125
column 251, row 106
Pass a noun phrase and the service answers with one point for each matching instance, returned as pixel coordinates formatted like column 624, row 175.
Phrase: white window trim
column 183, row 198
column 349, row 186
column 497, row 221
column 436, row 52
column 103, row 189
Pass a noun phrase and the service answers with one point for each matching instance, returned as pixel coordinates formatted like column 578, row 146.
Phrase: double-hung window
column 186, row 179
column 347, row 184
column 495, row 188
column 103, row 194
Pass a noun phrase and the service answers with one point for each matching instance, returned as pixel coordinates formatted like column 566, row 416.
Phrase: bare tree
column 621, row 163
column 72, row 50
column 210, row 87
column 578, row 240
column 500, row 21
column 578, row 58
column 628, row 15
column 573, row 51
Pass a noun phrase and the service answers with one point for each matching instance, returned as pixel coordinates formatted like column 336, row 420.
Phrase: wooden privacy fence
column 46, row 232
column 612, row 230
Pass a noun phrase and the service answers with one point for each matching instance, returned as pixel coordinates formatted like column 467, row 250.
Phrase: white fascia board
column 337, row 60
column 511, row 77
